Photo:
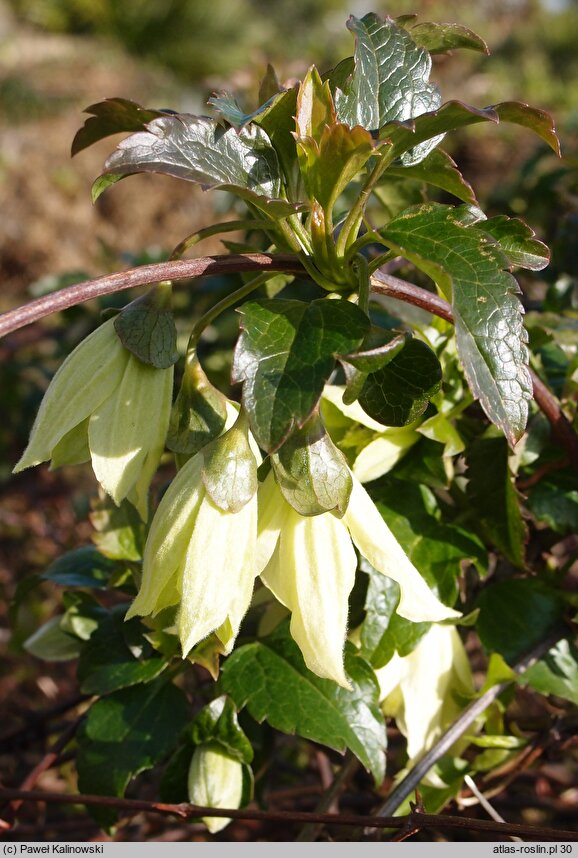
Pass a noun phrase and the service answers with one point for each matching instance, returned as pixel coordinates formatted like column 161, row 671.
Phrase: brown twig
column 182, row 269
column 541, row 472
column 49, row 759
column 419, row 820
column 311, row 832
column 393, row 287
column 179, row 269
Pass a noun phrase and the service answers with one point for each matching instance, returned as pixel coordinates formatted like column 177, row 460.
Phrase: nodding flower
column 309, row 564
column 422, row 689
column 106, row 406
column 201, row 556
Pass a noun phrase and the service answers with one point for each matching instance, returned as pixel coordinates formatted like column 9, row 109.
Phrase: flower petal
column 168, row 538
column 218, row 571
column 427, row 687
column 381, row 454
column 313, row 573
column 128, row 424
column 334, row 393
column 273, row 511
column 376, row 542
column 72, row 449
column 88, row 376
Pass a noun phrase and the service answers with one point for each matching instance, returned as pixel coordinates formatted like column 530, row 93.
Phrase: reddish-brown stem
column 393, row 287
column 187, row 811
column 49, row 759
column 178, row 269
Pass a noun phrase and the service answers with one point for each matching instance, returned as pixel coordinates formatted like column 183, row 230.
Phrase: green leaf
column 330, row 154
column 284, row 356
column 439, row 38
column 554, row 501
column 270, row 85
column 488, row 314
column 538, row 121
column 436, row 549
column 437, row 169
column 107, row 663
column 411, row 134
column 498, row 741
column 197, row 149
column 270, row 678
column 398, row 393
column 112, row 116
column 146, row 328
column 312, row 474
column 390, row 81
column 51, row 643
column 279, row 123
column 455, row 114
column 377, row 350
column 327, row 167
column 173, row 787
column 516, row 616
column 120, row 532
column 383, row 631
column 518, row 243
column 493, row 498
column 199, row 412
column 83, row 567
column 227, row 106
column 556, row 673
column 21, row 594
column 83, row 614
column 315, row 108
column 127, row 733
column 217, row 723
column 102, row 183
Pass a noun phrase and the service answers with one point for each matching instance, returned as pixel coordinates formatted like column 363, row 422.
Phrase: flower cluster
column 205, row 559
column 216, row 528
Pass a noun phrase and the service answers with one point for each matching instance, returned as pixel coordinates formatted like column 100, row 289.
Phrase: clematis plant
column 332, row 385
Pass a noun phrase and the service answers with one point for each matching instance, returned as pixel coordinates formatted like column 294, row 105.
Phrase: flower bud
column 215, row 780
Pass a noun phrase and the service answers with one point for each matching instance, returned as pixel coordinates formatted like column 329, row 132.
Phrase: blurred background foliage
column 533, row 41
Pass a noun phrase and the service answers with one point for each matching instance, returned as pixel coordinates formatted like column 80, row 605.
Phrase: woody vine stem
column 381, row 283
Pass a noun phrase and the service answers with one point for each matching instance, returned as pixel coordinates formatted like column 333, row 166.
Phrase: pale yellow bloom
column 105, row 405
column 384, row 449
column 309, row 564
column 201, row 558
column 215, row 780
column 419, row 690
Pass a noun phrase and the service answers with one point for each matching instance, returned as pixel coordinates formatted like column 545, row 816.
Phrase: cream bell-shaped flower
column 309, row 564
column 105, row 405
column 419, row 690
column 215, row 780
column 200, row 556
column 382, row 451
